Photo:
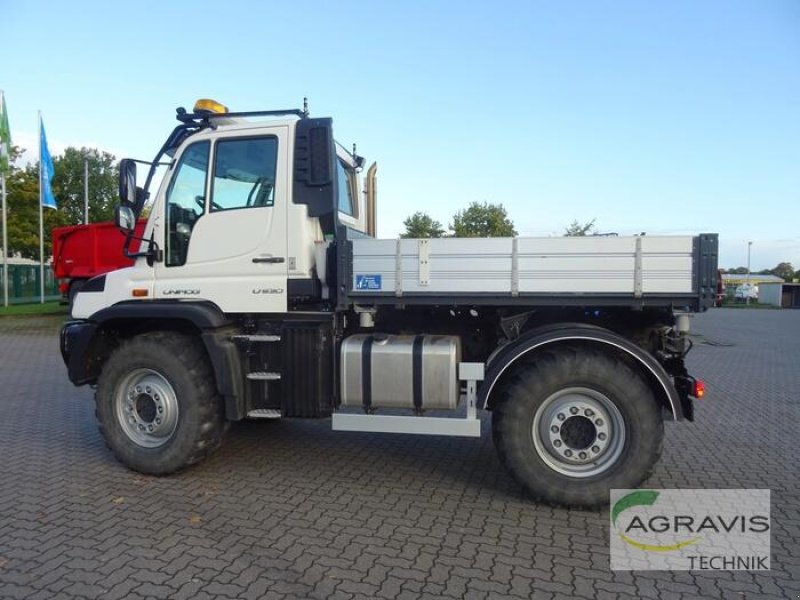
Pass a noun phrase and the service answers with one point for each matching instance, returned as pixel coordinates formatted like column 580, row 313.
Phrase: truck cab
column 237, row 220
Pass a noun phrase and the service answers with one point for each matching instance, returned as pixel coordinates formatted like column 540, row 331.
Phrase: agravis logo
column 690, row 529
column 645, row 498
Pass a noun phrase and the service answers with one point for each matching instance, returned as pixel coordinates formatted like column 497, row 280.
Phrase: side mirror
column 127, row 183
column 124, row 218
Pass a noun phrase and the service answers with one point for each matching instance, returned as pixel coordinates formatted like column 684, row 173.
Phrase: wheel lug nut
column 561, row 416
column 148, row 389
column 138, row 389
column 158, row 420
column 582, row 455
column 150, row 428
column 588, row 412
column 574, row 410
column 554, row 429
column 595, row 449
column 161, row 409
column 557, row 443
column 599, row 422
column 601, row 436
column 141, row 427
column 567, row 452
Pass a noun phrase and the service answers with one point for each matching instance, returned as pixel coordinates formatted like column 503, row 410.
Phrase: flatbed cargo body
column 598, row 270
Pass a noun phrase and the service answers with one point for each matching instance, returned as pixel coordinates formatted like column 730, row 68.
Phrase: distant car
column 745, row 292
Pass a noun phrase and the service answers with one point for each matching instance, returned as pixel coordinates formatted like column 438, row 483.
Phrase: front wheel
column 157, row 405
column 576, row 423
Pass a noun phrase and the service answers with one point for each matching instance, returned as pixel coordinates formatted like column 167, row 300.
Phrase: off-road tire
column 180, row 360
column 545, row 377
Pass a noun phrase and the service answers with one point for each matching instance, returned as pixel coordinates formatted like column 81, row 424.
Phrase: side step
column 264, row 413
column 263, row 376
column 466, row 427
column 421, row 425
column 255, row 338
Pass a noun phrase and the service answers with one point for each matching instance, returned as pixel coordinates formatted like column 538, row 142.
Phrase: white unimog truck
column 259, row 290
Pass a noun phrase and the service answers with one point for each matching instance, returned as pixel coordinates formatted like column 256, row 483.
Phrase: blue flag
column 47, row 172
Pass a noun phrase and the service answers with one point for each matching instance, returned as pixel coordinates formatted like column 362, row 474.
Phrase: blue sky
column 663, row 117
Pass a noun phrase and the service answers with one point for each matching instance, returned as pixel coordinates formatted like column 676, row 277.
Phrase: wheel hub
column 578, row 432
column 146, row 408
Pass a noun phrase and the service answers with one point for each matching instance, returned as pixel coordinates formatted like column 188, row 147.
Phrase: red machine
column 81, row 252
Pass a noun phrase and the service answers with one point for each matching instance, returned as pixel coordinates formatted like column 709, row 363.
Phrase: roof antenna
column 305, row 106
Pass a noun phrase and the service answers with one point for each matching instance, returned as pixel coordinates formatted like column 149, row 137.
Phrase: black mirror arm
column 153, row 252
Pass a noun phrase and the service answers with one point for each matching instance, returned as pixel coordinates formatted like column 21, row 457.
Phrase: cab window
column 185, row 201
column 344, row 183
column 244, row 173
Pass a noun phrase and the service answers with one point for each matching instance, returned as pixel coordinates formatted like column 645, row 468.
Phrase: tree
column 22, row 187
column 420, row 225
column 784, row 270
column 483, row 220
column 68, row 184
column 576, row 229
column 23, row 197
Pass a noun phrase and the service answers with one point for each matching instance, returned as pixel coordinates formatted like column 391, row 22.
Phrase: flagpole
column 5, row 215
column 41, row 219
column 5, row 241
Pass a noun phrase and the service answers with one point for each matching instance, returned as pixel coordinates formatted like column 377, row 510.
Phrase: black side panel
column 303, row 290
column 95, row 284
column 343, row 277
column 307, row 375
column 315, row 168
column 706, row 253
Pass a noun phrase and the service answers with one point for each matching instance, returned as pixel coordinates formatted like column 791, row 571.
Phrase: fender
column 566, row 332
column 202, row 314
column 84, row 343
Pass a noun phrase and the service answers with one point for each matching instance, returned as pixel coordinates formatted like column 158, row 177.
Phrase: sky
column 664, row 117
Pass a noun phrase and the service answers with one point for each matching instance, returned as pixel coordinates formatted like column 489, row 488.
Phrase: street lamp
column 749, row 284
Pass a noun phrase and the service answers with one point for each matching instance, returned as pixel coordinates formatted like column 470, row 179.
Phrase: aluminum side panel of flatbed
column 539, row 266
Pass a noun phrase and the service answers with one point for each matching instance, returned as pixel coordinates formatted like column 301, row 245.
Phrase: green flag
column 5, row 135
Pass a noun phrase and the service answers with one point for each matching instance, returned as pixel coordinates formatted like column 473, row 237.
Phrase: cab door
column 224, row 222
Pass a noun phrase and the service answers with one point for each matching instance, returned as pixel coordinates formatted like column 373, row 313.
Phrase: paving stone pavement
column 293, row 510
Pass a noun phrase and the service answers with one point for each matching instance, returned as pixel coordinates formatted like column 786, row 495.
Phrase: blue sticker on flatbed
column 368, row 282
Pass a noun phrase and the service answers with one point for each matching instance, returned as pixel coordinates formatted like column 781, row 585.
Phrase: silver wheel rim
column 147, row 408
column 578, row 432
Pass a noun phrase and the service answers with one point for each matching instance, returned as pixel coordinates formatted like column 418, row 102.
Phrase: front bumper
column 75, row 340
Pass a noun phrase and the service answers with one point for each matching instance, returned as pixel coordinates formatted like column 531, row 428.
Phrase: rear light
column 699, row 389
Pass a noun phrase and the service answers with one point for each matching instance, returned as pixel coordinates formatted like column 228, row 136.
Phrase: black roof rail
column 204, row 117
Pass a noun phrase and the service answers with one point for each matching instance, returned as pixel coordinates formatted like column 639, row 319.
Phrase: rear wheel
column 576, row 423
column 157, row 404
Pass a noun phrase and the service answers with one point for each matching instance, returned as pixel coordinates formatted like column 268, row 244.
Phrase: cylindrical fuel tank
column 400, row 371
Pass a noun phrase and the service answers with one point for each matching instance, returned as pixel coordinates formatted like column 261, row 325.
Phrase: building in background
column 782, row 294
column 732, row 282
